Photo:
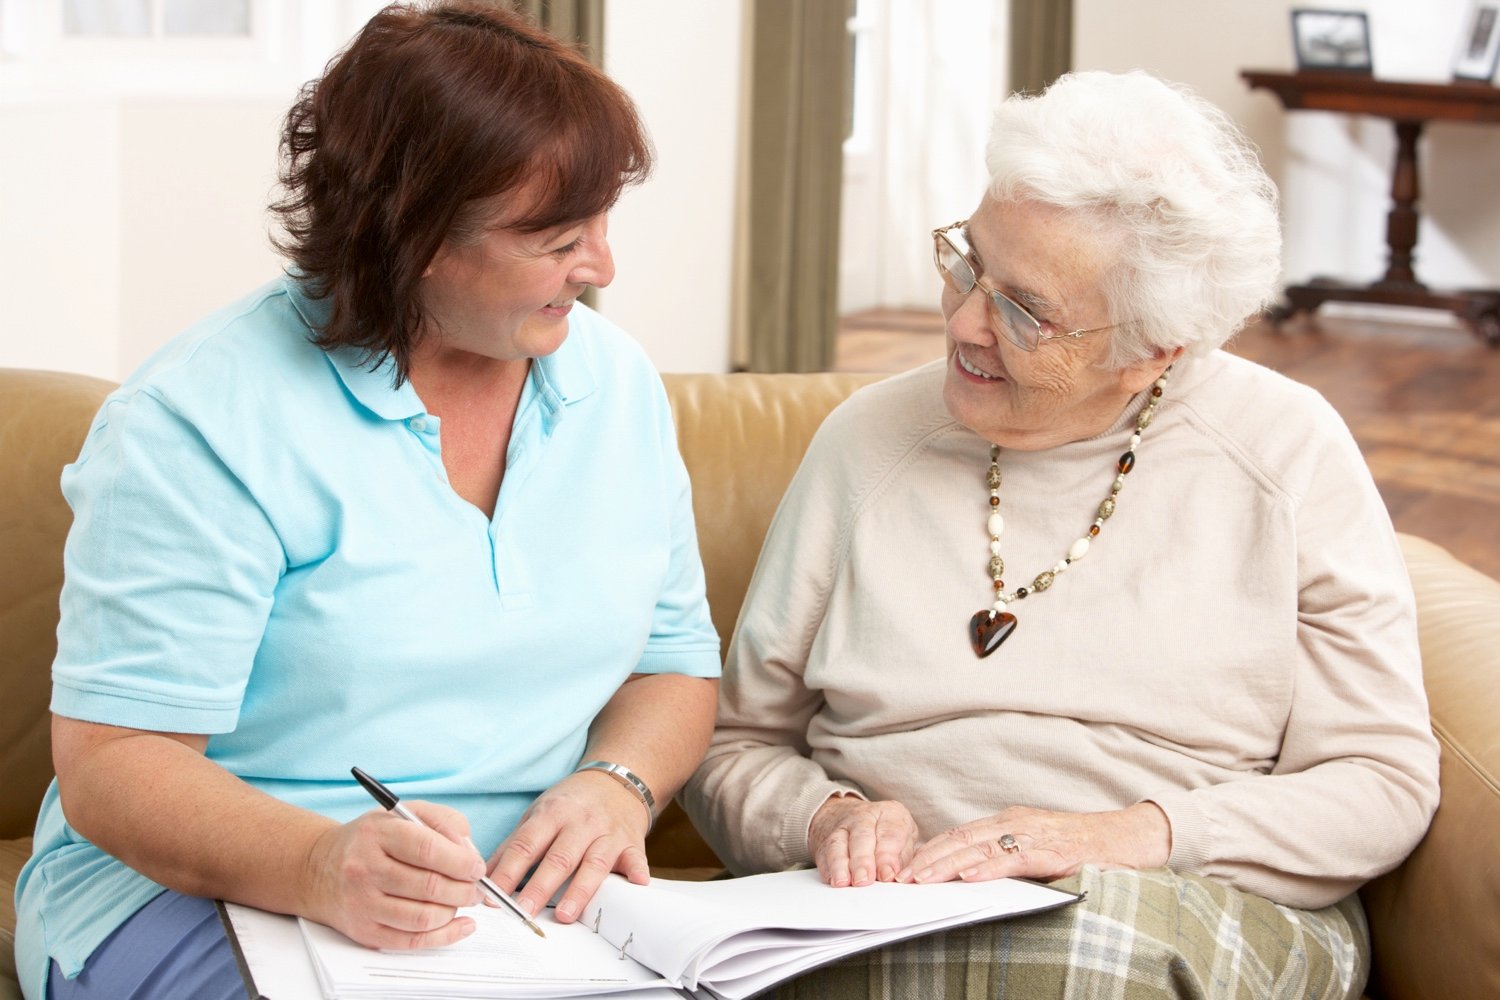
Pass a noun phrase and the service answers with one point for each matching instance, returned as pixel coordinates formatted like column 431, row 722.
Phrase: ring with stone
column 1008, row 844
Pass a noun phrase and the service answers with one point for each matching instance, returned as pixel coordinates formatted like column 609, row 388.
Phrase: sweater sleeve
column 1355, row 783
column 757, row 789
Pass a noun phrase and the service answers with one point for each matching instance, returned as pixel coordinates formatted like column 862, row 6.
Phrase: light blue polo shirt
column 266, row 549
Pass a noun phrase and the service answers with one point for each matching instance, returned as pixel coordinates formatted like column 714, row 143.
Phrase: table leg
column 1401, row 223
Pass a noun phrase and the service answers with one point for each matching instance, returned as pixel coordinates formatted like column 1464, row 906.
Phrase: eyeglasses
column 954, row 259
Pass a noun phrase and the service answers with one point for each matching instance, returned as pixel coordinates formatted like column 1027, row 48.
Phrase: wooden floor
column 1423, row 402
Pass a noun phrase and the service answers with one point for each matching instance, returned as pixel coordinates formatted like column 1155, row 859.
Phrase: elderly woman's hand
column 582, row 828
column 1044, row 845
column 856, row 842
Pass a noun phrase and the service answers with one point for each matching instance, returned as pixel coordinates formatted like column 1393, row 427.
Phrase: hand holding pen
column 388, row 800
column 388, row 883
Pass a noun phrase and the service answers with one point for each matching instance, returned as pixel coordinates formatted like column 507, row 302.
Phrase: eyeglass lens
column 954, row 268
column 1022, row 330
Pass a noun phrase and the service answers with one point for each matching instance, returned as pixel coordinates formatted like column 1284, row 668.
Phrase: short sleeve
column 683, row 639
column 170, row 567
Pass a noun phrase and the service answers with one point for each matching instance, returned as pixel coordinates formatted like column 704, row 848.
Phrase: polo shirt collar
column 565, row 376
column 373, row 387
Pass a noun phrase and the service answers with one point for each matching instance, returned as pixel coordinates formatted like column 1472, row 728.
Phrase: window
column 206, row 48
column 156, row 18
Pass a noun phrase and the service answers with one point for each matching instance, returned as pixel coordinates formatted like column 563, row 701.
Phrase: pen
column 388, row 800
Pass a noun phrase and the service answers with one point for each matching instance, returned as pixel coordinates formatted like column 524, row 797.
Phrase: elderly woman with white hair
column 1191, row 689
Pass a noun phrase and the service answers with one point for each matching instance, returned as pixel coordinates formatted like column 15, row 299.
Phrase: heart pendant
column 988, row 630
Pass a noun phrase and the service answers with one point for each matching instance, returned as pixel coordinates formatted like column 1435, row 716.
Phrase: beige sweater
column 1238, row 646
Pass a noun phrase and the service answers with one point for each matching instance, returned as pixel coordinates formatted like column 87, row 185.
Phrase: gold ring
column 1008, row 844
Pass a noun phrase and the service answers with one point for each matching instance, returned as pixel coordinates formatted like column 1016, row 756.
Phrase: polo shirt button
column 418, row 424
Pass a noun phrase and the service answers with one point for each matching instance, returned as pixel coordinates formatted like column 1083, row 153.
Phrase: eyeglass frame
column 967, row 255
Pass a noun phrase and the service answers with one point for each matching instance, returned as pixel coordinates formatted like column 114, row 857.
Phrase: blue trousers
column 173, row 948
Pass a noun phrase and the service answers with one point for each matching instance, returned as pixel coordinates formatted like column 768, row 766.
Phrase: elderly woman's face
column 508, row 295
column 1051, row 264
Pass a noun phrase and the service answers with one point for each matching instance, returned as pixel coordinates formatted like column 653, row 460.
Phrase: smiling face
column 506, row 295
column 1052, row 264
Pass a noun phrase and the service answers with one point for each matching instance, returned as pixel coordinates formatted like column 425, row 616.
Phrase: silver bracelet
column 629, row 779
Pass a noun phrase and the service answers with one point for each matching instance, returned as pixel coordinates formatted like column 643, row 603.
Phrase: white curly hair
column 1170, row 182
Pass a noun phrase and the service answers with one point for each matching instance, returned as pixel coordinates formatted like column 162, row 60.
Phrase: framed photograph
column 1479, row 45
column 1336, row 40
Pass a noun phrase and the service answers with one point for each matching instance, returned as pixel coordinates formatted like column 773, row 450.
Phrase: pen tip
column 535, row 928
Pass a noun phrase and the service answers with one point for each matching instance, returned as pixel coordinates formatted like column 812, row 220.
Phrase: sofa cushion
column 742, row 436
column 13, row 854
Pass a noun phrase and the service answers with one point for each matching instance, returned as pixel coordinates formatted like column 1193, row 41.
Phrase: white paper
column 501, row 958
column 728, row 938
column 737, row 936
column 275, row 950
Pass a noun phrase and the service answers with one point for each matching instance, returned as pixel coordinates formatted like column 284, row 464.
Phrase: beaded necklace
column 991, row 627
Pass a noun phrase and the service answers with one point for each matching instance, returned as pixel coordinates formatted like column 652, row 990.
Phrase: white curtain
column 940, row 69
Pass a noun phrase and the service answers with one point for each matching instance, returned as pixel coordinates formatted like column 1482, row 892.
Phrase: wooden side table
column 1409, row 106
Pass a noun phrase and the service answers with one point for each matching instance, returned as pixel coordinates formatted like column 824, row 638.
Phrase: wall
column 60, row 236
column 134, row 182
column 131, row 205
column 1333, row 170
column 185, row 247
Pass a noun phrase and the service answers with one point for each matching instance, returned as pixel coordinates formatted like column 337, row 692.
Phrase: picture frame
column 1479, row 45
column 1332, row 40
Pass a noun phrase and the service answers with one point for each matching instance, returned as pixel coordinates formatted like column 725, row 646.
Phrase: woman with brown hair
column 409, row 507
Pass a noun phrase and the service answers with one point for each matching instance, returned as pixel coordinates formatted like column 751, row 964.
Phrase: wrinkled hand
column 855, row 842
column 582, row 828
column 389, row 883
column 1050, row 845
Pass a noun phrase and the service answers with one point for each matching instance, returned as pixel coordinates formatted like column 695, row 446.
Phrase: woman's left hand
column 1043, row 845
column 582, row 828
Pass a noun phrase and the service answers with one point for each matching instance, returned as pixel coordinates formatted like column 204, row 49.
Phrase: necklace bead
column 988, row 629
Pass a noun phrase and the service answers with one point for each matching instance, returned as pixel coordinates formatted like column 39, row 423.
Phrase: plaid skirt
column 1135, row 935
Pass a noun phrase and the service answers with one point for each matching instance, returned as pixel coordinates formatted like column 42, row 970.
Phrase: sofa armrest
column 43, row 421
column 1435, row 921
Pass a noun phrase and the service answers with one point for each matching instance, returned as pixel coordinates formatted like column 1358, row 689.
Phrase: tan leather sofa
column 1435, row 920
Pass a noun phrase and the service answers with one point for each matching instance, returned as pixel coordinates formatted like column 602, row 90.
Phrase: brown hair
column 427, row 111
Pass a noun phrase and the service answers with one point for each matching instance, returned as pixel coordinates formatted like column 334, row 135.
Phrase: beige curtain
column 1041, row 42
column 786, row 287
column 580, row 21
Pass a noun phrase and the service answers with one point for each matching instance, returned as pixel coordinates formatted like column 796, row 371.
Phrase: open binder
column 723, row 940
